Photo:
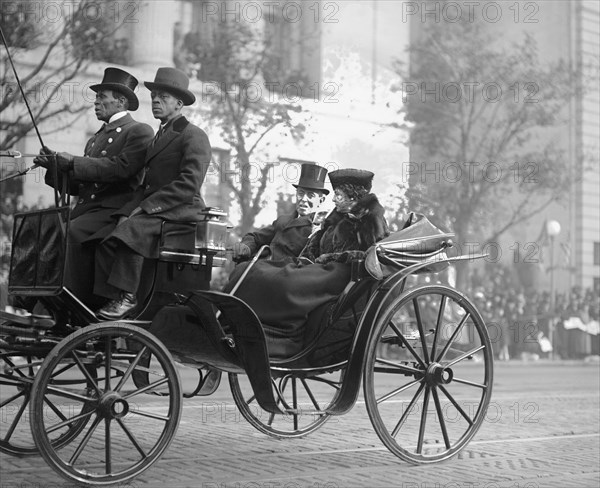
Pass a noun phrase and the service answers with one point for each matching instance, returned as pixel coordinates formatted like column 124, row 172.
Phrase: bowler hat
column 312, row 177
column 120, row 81
column 173, row 81
column 357, row 177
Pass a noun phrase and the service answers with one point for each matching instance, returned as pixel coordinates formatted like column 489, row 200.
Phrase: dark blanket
column 283, row 294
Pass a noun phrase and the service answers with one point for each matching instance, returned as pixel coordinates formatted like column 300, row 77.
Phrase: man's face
column 307, row 201
column 164, row 105
column 106, row 105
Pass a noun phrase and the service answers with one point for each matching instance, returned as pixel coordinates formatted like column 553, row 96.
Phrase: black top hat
column 312, row 177
column 120, row 81
column 174, row 81
column 357, row 177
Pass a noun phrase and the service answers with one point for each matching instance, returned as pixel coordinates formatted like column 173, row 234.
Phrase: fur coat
column 345, row 236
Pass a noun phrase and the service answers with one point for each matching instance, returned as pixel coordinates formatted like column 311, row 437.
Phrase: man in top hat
column 175, row 166
column 104, row 178
column 288, row 234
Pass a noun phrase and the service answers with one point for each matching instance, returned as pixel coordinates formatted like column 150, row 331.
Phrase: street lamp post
column 552, row 230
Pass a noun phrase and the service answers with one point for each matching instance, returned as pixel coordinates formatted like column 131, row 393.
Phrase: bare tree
column 64, row 45
column 237, row 100
column 483, row 120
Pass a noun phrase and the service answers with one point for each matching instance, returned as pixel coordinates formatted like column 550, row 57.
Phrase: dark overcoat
column 284, row 294
column 104, row 179
column 176, row 166
column 286, row 236
column 110, row 170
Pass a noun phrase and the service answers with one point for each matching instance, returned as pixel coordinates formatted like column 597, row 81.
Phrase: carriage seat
column 200, row 243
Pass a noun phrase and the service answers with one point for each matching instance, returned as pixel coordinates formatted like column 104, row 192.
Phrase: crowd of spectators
column 524, row 324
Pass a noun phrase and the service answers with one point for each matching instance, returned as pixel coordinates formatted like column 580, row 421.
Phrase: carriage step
column 23, row 317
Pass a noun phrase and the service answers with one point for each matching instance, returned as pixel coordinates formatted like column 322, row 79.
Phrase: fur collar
column 369, row 204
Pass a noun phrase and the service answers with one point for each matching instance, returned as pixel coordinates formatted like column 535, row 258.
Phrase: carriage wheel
column 428, row 374
column 124, row 435
column 307, row 396
column 17, row 373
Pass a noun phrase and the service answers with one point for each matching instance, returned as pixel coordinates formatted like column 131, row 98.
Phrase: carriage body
column 422, row 354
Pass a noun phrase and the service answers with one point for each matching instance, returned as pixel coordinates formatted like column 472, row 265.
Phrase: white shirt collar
column 117, row 116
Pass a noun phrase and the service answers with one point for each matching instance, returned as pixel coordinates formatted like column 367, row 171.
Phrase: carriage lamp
column 552, row 230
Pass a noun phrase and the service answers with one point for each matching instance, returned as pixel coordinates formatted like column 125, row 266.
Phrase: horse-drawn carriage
column 70, row 384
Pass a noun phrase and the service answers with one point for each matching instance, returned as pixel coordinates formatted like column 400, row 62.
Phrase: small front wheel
column 428, row 374
column 89, row 377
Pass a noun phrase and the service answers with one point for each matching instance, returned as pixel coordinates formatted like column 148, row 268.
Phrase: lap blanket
column 283, row 294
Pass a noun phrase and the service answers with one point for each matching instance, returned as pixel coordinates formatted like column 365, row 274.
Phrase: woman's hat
column 357, row 177
column 120, row 81
column 173, row 81
column 312, row 177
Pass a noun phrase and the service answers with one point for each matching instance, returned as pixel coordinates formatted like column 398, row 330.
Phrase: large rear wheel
column 428, row 374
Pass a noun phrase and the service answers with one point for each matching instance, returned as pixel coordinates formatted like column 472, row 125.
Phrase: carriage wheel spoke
column 421, row 330
column 107, row 446
column 68, row 394
column 453, row 337
column 54, row 408
column 66, row 422
column 107, row 363
column 404, row 416
column 295, row 403
column 14, row 368
column 310, row 394
column 132, row 438
column 13, row 426
column 87, row 374
column 464, row 356
column 401, row 368
column 423, row 421
column 438, row 325
column 456, row 405
column 154, row 416
column 408, row 346
column 144, row 389
column 470, row 383
column 440, row 414
column 131, row 367
column 12, row 398
column 84, row 441
column 398, row 390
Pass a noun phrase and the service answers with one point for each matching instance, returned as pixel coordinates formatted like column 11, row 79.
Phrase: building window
column 293, row 62
column 596, row 253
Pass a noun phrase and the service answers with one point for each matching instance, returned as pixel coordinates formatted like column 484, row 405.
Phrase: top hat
column 357, row 177
column 174, row 81
column 120, row 81
column 312, row 177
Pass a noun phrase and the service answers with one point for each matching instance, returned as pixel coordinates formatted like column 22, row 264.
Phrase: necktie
column 158, row 135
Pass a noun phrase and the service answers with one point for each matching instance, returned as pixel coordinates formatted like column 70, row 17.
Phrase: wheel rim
column 123, row 436
column 428, row 374
column 305, row 396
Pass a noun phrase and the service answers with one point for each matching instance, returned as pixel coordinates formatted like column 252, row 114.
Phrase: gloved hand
column 45, row 162
column 65, row 161
column 241, row 252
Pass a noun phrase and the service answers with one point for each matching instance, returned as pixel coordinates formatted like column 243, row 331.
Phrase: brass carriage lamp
column 552, row 230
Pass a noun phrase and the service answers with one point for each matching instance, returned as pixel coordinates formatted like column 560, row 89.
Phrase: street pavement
column 542, row 430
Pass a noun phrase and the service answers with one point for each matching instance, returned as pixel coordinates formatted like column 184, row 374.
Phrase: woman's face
column 341, row 199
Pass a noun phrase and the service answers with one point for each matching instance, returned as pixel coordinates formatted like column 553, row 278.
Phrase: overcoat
column 175, row 168
column 104, row 179
column 286, row 236
column 284, row 294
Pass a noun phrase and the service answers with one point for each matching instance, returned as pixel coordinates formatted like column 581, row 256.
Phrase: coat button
column 119, row 129
column 110, row 140
column 81, row 200
column 103, row 153
column 147, row 186
column 93, row 197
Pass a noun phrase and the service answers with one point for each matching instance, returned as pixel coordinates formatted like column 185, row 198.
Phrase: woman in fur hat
column 283, row 295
